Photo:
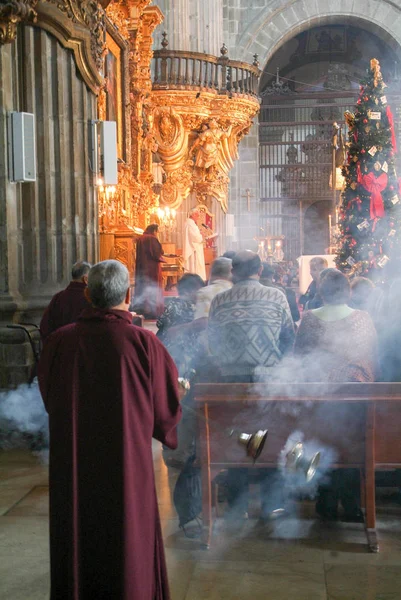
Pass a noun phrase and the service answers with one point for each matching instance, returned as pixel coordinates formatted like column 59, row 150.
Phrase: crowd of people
column 109, row 387
column 252, row 331
column 251, row 320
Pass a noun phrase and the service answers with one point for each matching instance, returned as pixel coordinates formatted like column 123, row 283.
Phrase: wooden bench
column 361, row 422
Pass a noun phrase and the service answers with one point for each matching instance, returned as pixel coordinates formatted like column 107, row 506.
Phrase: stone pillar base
column 18, row 355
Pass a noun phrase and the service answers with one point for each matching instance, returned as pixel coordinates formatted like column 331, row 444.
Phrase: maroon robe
column 108, row 387
column 64, row 308
column 148, row 296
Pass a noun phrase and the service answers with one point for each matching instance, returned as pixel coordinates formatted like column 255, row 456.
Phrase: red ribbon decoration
column 374, row 185
column 391, row 123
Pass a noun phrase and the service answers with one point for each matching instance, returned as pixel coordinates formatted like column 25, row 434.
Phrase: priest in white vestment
column 193, row 254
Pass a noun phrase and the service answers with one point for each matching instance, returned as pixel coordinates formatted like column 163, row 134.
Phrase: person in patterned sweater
column 250, row 326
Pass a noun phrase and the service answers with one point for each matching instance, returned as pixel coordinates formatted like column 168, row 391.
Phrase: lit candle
column 336, row 216
column 330, row 225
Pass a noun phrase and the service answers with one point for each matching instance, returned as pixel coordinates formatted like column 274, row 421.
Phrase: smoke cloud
column 23, row 419
column 296, row 481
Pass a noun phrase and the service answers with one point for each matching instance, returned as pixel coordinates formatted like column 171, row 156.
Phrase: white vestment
column 194, row 257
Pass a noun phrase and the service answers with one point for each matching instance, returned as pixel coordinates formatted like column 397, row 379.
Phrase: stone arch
column 275, row 24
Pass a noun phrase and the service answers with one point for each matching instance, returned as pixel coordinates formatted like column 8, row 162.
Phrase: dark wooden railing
column 175, row 69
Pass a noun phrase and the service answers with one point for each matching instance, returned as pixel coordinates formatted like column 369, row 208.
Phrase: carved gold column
column 142, row 135
column 124, row 209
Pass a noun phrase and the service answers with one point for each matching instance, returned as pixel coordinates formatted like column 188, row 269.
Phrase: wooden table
column 361, row 422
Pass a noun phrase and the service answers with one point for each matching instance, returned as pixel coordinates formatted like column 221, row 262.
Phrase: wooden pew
column 360, row 421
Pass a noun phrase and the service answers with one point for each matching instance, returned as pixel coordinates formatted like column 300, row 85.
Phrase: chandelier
column 106, row 202
column 167, row 221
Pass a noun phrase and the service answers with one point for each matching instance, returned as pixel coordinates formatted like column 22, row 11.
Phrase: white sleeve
column 194, row 233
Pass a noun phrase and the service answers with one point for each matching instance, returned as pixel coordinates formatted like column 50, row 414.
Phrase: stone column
column 206, row 22
column 245, row 175
column 46, row 225
column 176, row 23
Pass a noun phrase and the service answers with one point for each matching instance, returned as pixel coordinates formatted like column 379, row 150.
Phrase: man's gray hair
column 193, row 210
column 108, row 282
column 79, row 269
column 221, row 268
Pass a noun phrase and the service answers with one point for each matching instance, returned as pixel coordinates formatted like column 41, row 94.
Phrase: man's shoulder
column 64, row 333
column 206, row 293
column 257, row 291
column 143, row 336
column 275, row 293
column 57, row 297
column 222, row 297
column 74, row 288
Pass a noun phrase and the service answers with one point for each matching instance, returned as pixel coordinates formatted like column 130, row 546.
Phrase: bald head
column 194, row 214
column 245, row 264
column 221, row 268
column 80, row 270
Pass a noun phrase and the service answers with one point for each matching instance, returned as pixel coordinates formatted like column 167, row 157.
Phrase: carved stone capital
column 13, row 12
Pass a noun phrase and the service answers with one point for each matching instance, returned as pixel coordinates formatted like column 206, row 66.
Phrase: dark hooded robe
column 109, row 387
column 64, row 308
column 148, row 296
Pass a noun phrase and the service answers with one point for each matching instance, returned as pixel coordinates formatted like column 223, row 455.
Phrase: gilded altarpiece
column 125, row 98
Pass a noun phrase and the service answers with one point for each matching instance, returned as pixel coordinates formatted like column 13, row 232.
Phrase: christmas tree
column 370, row 211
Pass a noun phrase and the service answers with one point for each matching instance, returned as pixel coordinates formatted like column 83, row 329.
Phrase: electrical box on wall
column 21, row 146
column 230, row 225
column 108, row 152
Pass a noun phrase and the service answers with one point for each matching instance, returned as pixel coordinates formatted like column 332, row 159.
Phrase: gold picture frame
column 115, row 96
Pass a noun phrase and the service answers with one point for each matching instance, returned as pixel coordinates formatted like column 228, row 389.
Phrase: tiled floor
column 293, row 558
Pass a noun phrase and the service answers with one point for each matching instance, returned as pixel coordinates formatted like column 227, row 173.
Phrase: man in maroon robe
column 66, row 306
column 109, row 387
column 148, row 297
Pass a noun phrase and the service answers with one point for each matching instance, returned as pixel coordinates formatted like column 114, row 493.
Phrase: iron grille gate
column 295, row 159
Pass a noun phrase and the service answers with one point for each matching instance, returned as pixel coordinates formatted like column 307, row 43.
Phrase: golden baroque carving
column 208, row 144
column 101, row 102
column 213, row 183
column 178, row 185
column 198, row 141
column 90, row 14
column 79, row 25
column 13, row 12
column 134, row 197
column 121, row 251
column 171, row 136
column 118, row 14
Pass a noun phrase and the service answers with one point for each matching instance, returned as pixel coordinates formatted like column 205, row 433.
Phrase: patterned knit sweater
column 250, row 326
column 343, row 350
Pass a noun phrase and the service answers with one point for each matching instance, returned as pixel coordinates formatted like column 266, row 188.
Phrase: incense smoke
column 23, row 418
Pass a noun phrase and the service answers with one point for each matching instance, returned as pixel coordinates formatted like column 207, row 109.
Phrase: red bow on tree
column 374, row 185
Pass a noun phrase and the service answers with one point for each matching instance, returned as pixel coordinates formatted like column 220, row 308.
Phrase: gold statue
column 207, row 144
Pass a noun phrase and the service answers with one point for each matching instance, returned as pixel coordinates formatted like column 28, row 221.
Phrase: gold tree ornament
column 375, row 68
column 349, row 119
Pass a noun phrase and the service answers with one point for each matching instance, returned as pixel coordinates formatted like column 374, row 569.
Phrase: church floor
column 294, row 559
